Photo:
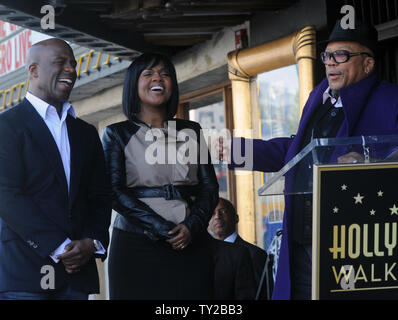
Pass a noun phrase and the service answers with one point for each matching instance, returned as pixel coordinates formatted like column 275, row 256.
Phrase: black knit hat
column 363, row 34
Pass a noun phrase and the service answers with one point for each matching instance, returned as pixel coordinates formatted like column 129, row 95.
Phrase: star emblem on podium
column 394, row 210
column 358, row 198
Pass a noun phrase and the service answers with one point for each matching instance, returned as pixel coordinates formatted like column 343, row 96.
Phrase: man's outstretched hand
column 351, row 157
column 221, row 149
column 77, row 253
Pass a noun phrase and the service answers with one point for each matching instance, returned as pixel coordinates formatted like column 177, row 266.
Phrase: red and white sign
column 14, row 48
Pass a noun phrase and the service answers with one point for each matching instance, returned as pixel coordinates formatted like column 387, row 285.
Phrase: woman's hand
column 182, row 237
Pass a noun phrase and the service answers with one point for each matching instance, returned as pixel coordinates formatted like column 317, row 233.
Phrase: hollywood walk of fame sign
column 355, row 228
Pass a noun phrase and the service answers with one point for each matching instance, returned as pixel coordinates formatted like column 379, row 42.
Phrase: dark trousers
column 301, row 266
column 65, row 294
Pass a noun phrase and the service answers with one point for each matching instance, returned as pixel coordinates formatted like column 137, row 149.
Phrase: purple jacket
column 370, row 107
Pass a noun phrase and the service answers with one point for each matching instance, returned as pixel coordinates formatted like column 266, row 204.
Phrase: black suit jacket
column 233, row 272
column 258, row 257
column 37, row 214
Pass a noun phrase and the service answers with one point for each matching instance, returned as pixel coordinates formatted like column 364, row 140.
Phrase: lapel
column 76, row 142
column 238, row 240
column 40, row 133
column 354, row 99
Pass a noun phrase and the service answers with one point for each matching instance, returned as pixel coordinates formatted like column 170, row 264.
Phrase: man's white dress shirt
column 231, row 238
column 59, row 131
column 336, row 103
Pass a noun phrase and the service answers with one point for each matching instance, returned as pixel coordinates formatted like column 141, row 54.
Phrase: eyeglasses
column 340, row 56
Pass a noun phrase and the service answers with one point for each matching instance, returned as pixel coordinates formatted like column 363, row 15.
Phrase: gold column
column 244, row 180
column 243, row 65
column 305, row 55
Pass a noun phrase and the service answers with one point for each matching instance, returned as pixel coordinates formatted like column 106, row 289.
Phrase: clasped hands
column 182, row 237
column 76, row 254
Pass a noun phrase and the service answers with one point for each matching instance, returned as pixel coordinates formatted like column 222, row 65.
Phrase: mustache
column 330, row 72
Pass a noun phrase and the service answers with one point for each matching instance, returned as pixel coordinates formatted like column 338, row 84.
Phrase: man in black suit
column 233, row 271
column 55, row 200
column 222, row 226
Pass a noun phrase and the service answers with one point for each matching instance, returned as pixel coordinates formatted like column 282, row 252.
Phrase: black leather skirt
column 140, row 269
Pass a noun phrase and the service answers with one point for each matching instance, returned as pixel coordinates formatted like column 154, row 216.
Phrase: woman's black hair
column 131, row 100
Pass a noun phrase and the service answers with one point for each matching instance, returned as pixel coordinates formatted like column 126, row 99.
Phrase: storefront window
column 212, row 117
column 278, row 101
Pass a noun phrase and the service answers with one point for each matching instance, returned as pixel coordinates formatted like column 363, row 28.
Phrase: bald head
column 52, row 71
column 35, row 52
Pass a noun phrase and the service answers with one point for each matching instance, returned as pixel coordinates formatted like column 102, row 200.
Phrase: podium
column 355, row 214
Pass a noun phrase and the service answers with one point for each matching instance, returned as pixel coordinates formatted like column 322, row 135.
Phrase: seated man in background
column 222, row 226
column 233, row 271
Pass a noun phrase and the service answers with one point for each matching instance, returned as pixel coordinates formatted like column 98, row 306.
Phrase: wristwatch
column 96, row 245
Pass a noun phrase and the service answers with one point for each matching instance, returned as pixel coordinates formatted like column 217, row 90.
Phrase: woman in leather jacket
column 164, row 191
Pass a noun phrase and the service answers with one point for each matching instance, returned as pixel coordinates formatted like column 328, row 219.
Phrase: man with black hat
column 350, row 101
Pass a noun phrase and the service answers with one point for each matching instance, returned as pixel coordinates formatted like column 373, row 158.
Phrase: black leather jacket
column 136, row 216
